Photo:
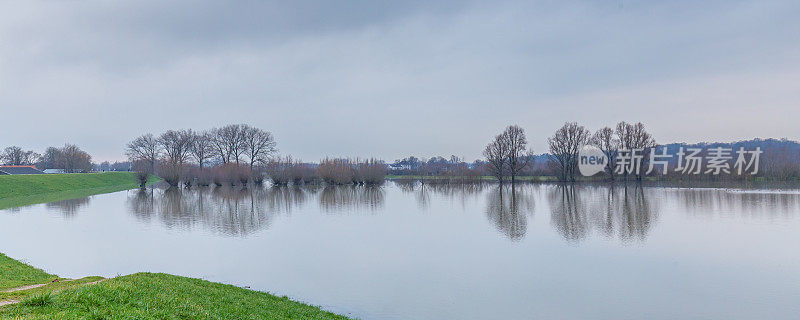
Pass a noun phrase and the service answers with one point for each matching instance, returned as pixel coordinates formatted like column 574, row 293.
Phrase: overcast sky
column 395, row 78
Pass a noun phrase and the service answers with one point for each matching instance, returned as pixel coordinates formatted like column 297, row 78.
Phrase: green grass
column 14, row 274
column 160, row 296
column 21, row 190
column 49, row 288
column 139, row 296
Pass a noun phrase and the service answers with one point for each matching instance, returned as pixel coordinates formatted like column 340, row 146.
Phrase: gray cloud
column 389, row 79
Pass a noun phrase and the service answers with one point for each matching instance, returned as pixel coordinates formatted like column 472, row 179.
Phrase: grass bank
column 24, row 190
column 139, row 296
column 15, row 274
column 136, row 296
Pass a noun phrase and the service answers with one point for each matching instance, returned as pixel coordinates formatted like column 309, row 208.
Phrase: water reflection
column 735, row 202
column 225, row 210
column 622, row 211
column 348, row 198
column 237, row 211
column 459, row 192
column 627, row 213
column 743, row 245
column 68, row 208
column 284, row 199
column 508, row 208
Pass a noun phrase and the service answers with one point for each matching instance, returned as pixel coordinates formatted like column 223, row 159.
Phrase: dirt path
column 7, row 302
column 34, row 286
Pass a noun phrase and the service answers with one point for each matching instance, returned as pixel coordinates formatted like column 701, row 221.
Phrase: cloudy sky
column 394, row 78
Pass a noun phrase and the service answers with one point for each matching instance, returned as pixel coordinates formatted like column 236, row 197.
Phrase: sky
column 389, row 79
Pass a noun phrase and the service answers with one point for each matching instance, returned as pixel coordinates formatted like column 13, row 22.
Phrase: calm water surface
column 404, row 251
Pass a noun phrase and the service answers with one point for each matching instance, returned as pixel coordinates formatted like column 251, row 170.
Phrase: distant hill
column 767, row 145
column 780, row 157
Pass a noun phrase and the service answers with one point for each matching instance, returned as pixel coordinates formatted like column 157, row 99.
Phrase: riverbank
column 140, row 296
column 22, row 190
column 27, row 292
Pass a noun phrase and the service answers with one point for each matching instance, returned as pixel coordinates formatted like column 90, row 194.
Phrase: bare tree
column 564, row 147
column 202, row 148
column 634, row 137
column 229, row 143
column 16, row 156
column 623, row 132
column 496, row 154
column 258, row 144
column 518, row 157
column 49, row 160
column 605, row 140
column 74, row 160
column 176, row 146
column 144, row 148
column 142, row 170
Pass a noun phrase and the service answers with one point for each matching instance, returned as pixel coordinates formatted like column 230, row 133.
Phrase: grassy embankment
column 24, row 190
column 139, row 296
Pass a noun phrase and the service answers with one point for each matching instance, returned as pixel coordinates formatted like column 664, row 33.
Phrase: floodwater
column 472, row 251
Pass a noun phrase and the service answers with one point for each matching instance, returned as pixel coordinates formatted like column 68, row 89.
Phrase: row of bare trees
column 336, row 171
column 439, row 169
column 16, row 156
column 508, row 154
column 69, row 158
column 170, row 154
column 567, row 141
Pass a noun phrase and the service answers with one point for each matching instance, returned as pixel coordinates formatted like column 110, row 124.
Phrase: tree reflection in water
column 237, row 211
column 347, row 198
column 68, row 208
column 624, row 211
column 748, row 203
column 230, row 211
column 284, row 199
column 461, row 192
column 508, row 208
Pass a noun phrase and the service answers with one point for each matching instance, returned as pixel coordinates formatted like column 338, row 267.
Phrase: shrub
column 346, row 171
column 170, row 172
column 231, row 174
column 371, row 171
column 336, row 171
column 38, row 300
column 282, row 171
column 142, row 170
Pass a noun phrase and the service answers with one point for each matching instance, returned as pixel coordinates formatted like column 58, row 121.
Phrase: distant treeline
column 507, row 157
column 335, row 171
column 240, row 154
column 69, row 158
column 227, row 155
column 237, row 154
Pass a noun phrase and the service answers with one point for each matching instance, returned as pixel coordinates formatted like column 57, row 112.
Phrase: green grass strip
column 14, row 274
column 160, row 296
column 22, row 190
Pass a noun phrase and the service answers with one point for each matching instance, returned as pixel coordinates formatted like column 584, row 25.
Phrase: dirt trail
column 7, row 302
column 34, row 286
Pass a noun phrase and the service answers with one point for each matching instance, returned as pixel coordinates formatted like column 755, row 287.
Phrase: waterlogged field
column 472, row 251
